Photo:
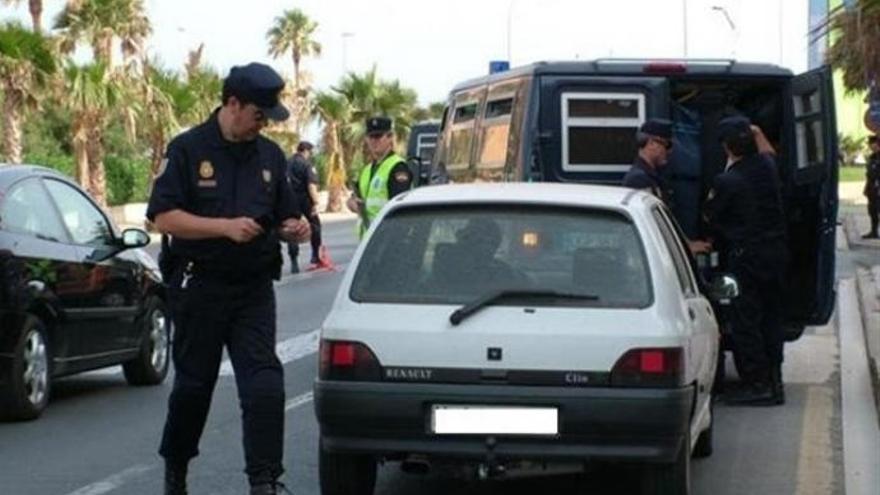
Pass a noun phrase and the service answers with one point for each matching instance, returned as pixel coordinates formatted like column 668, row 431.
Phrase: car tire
column 346, row 474
column 703, row 447
column 151, row 364
column 670, row 479
column 27, row 393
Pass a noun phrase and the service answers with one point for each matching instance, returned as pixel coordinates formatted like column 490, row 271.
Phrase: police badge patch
column 206, row 170
column 267, row 175
column 401, row 177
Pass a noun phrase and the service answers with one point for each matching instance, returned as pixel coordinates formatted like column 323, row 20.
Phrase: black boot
column 778, row 386
column 273, row 488
column 175, row 478
column 755, row 393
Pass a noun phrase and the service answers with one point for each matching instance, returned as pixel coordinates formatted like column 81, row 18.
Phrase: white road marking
column 299, row 401
column 288, row 350
column 111, row 483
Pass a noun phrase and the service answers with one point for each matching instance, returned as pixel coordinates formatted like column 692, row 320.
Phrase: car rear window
column 452, row 255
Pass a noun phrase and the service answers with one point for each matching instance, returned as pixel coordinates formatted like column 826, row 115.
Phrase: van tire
column 151, row 364
column 670, row 479
column 18, row 398
column 346, row 474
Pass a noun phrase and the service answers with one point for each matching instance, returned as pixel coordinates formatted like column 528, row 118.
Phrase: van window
column 495, row 132
column 462, row 136
column 599, row 130
column 452, row 255
column 809, row 129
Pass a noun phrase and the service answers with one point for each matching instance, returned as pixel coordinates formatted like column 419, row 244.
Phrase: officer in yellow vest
column 385, row 177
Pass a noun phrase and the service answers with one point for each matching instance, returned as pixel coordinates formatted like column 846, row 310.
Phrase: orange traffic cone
column 324, row 260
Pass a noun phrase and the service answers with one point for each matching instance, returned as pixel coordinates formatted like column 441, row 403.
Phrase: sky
column 432, row 45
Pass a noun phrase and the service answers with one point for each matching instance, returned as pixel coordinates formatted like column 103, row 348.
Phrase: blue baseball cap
column 258, row 84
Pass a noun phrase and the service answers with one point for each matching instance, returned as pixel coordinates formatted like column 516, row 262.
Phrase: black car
column 75, row 293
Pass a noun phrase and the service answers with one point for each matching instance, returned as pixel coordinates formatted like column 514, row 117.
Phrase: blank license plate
column 494, row 420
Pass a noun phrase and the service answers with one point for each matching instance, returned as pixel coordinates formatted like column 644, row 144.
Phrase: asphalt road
column 100, row 436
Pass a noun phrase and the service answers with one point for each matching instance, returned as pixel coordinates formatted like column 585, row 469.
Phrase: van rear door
column 811, row 197
column 588, row 124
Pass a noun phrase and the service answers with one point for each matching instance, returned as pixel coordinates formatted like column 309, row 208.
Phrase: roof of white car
column 523, row 192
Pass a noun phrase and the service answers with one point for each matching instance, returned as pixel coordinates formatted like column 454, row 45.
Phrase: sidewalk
column 855, row 223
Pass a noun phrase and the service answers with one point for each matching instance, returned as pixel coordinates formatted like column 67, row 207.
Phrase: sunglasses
column 666, row 144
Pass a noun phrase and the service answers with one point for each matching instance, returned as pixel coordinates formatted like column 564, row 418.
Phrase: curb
column 868, row 288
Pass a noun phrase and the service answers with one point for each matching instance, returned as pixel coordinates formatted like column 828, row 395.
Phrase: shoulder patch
column 401, row 176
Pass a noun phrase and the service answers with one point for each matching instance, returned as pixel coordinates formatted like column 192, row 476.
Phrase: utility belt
column 266, row 265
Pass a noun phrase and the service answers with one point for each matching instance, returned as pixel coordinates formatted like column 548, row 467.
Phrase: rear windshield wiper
column 481, row 302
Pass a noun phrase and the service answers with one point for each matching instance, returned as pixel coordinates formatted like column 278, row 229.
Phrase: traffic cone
column 324, row 260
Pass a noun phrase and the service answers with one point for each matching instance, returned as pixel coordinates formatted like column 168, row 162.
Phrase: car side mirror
column 723, row 288
column 134, row 238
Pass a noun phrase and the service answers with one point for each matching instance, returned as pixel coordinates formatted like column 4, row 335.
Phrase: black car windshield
column 456, row 255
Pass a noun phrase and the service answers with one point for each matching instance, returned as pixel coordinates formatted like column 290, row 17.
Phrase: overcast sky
column 432, row 45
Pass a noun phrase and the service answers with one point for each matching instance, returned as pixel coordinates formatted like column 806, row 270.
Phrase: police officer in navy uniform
column 224, row 200
column 304, row 181
column 872, row 186
column 384, row 178
column 745, row 213
column 655, row 143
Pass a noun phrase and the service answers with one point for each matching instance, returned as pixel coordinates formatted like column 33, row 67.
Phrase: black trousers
column 874, row 211
column 315, row 241
column 208, row 315
column 757, row 314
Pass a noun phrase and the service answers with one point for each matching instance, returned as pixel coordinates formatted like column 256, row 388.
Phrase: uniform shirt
column 399, row 181
column 302, row 173
column 744, row 207
column 872, row 176
column 208, row 176
column 643, row 176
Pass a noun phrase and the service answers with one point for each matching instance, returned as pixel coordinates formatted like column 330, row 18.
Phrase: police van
column 420, row 147
column 577, row 122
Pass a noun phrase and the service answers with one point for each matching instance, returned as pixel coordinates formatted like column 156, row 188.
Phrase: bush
column 60, row 162
column 128, row 179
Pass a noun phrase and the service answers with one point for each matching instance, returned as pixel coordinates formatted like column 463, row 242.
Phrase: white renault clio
column 497, row 325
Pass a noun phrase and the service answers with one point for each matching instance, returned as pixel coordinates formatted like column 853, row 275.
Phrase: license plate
column 494, row 420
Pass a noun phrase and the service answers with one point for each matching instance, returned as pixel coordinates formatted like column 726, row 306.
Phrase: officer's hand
column 242, row 229
column 698, row 246
column 296, row 230
column 354, row 203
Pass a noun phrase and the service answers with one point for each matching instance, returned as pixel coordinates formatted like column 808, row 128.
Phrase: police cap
column 258, row 84
column 734, row 127
column 660, row 128
column 378, row 125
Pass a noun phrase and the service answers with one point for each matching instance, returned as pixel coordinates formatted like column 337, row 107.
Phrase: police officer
column 304, row 181
column 385, row 177
column 745, row 213
column 655, row 143
column 872, row 186
column 224, row 200
column 654, row 139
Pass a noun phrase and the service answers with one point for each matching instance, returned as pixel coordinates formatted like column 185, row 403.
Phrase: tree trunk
column 97, row 176
column 81, row 154
column 36, row 10
column 157, row 153
column 103, row 50
column 13, row 104
column 336, row 175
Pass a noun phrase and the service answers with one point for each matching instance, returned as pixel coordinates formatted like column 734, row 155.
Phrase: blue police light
column 496, row 66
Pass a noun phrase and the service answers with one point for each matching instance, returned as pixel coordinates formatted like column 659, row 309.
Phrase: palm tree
column 91, row 95
column 292, row 33
column 35, row 7
column 159, row 116
column 333, row 112
column 26, row 62
column 100, row 22
column 855, row 46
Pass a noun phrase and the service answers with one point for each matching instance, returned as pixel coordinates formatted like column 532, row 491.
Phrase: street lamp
column 684, row 21
column 345, row 36
column 719, row 8
column 509, row 28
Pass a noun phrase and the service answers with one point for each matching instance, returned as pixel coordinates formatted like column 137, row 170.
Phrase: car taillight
column 348, row 361
column 649, row 367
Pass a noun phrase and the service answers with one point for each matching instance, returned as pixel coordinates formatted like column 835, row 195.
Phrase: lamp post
column 722, row 10
column 509, row 29
column 345, row 36
column 684, row 22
